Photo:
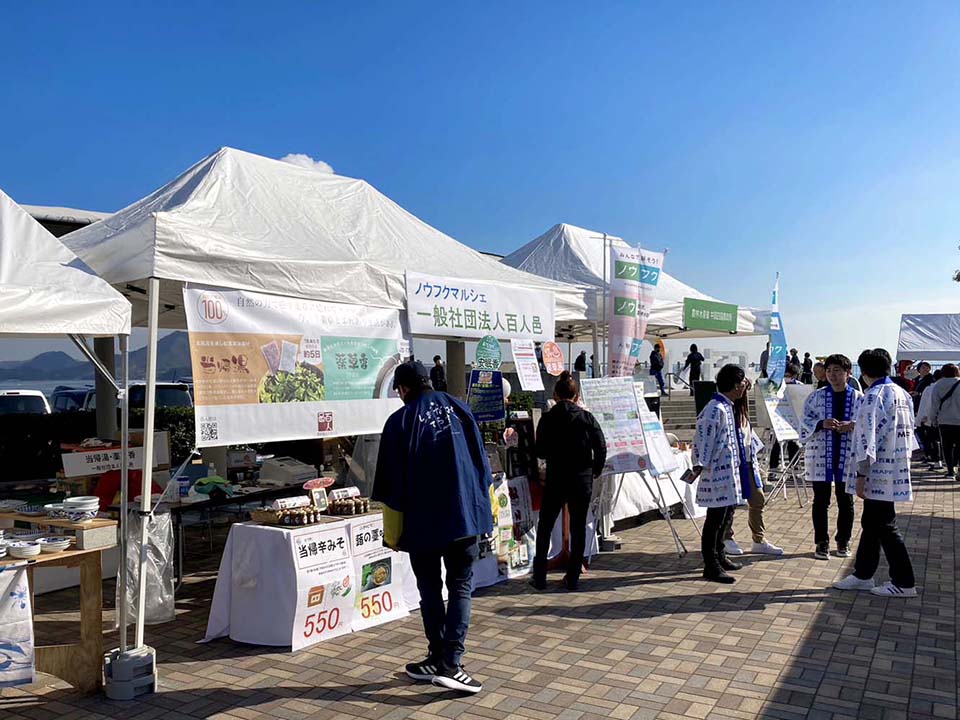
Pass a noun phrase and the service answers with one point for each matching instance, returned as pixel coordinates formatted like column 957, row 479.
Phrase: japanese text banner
column 466, row 308
column 635, row 274
column 267, row 367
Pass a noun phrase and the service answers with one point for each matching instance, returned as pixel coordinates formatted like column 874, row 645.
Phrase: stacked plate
column 10, row 506
column 21, row 549
column 54, row 544
column 32, row 510
column 81, row 509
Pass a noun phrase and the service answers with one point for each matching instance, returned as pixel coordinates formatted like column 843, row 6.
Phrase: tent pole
column 124, row 489
column 596, row 348
column 153, row 320
column 606, row 326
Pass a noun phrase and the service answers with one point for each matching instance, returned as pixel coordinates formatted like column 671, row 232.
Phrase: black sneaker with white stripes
column 426, row 670
column 457, row 679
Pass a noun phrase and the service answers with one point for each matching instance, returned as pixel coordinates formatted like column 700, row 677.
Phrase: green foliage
column 178, row 423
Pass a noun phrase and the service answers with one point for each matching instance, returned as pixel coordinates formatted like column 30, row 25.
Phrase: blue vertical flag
column 777, row 363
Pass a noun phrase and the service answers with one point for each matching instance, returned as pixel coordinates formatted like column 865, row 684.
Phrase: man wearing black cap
column 433, row 468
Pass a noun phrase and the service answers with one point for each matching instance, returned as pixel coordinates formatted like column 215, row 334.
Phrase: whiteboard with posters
column 614, row 404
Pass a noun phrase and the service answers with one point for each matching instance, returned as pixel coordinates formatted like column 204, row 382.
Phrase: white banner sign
column 528, row 369
column 97, row 462
column 613, row 403
column 326, row 584
column 267, row 367
column 379, row 593
column 634, row 276
column 471, row 309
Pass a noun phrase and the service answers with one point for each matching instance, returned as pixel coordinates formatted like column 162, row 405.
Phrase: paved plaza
column 645, row 638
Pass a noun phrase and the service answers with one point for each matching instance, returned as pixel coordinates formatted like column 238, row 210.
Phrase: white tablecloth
column 255, row 599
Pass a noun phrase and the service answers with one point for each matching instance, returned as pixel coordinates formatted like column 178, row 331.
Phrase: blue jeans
column 446, row 627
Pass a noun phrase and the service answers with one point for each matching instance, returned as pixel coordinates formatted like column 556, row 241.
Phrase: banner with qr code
column 269, row 368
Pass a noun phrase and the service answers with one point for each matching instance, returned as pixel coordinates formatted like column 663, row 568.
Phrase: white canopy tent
column 244, row 221
column 575, row 255
column 46, row 290
column 930, row 337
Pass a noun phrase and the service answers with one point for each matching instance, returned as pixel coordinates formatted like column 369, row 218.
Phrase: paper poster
column 660, row 455
column 267, row 367
column 525, row 360
column 775, row 411
column 377, row 569
column 634, row 276
column 521, row 551
column 614, row 404
column 17, row 662
column 470, row 309
column 485, row 396
column 552, row 358
column 326, row 583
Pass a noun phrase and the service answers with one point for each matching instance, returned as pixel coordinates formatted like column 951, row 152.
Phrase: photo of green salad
column 305, row 384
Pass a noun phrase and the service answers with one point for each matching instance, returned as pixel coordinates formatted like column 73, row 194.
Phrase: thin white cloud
column 305, row 161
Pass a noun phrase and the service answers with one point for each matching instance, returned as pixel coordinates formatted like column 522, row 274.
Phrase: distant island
column 173, row 361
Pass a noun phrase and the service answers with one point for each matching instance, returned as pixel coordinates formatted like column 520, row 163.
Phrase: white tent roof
column 241, row 220
column 45, row 289
column 572, row 254
column 931, row 337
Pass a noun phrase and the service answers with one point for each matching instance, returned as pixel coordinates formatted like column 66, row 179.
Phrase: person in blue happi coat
column 433, row 468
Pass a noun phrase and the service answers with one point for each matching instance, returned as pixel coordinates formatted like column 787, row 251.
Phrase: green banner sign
column 709, row 315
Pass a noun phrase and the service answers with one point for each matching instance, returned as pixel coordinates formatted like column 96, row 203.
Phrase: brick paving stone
column 645, row 639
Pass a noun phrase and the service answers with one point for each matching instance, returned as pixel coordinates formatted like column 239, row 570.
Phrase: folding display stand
column 793, row 471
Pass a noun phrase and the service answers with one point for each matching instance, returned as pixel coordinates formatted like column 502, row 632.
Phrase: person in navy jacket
column 433, row 468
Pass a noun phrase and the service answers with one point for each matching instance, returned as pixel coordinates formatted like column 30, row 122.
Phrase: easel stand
column 691, row 514
column 665, row 512
column 792, row 472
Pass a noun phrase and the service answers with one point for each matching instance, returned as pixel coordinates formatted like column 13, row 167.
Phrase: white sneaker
column 731, row 547
column 852, row 582
column 766, row 548
column 888, row 589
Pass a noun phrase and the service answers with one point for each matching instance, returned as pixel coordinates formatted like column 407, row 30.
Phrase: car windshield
column 166, row 396
column 15, row 404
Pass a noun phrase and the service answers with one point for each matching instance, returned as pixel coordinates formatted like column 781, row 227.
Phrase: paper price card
column 326, row 584
column 379, row 597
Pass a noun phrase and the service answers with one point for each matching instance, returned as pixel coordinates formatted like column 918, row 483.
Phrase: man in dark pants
column 883, row 444
column 656, row 367
column 433, row 468
column 438, row 374
column 722, row 460
column 826, row 432
column 570, row 439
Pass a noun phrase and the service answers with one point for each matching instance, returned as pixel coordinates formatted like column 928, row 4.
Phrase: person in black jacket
column 570, row 439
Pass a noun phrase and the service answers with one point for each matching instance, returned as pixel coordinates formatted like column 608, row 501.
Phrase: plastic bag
column 158, row 569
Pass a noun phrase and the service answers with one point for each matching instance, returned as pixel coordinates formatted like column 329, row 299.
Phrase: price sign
column 377, row 569
column 326, row 584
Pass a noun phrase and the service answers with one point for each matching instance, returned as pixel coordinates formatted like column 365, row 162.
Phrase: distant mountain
column 173, row 361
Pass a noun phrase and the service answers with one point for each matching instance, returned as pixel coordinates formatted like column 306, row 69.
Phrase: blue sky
column 820, row 140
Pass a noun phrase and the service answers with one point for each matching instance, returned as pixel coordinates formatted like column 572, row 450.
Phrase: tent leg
column 457, row 369
column 124, row 485
column 596, row 351
column 153, row 321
